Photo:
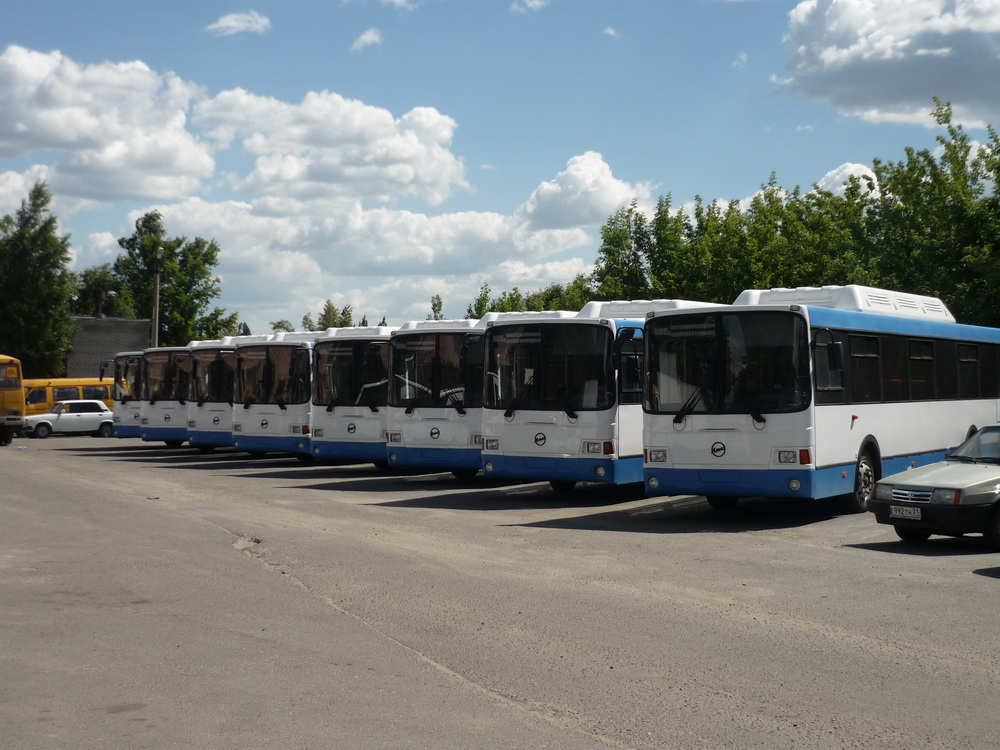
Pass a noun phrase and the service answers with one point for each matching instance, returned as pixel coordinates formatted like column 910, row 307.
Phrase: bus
column 435, row 418
column 351, row 395
column 563, row 399
column 810, row 392
column 166, row 389
column 41, row 393
column 210, row 407
column 127, row 393
column 274, row 394
column 11, row 399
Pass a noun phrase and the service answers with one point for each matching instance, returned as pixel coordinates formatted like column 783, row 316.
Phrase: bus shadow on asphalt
column 692, row 514
column 495, row 494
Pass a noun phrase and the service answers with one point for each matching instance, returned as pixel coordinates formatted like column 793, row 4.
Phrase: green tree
column 329, row 317
column 97, row 293
column 281, row 325
column 187, row 286
column 346, row 316
column 620, row 270
column 478, row 308
column 308, row 324
column 36, row 287
column 436, row 308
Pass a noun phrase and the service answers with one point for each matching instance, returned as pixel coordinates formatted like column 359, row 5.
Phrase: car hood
column 945, row 474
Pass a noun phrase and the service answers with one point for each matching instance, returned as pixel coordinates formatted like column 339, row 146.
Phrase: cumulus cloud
column 367, row 39
column 250, row 22
column 119, row 128
column 586, row 193
column 610, row 31
column 883, row 60
column 524, row 6
column 330, row 146
column 835, row 181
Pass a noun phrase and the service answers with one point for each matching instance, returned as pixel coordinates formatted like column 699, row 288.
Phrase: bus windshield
column 733, row 362
column 273, row 375
column 166, row 376
column 551, row 366
column 213, row 373
column 127, row 377
column 350, row 373
column 437, row 370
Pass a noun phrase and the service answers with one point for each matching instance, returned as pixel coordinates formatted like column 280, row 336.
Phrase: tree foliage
column 36, row 287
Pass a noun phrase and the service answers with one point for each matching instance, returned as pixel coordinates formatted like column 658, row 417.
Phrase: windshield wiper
column 457, row 403
column 519, row 397
column 688, row 406
column 963, row 459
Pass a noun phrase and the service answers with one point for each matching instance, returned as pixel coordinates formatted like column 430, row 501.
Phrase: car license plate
column 903, row 511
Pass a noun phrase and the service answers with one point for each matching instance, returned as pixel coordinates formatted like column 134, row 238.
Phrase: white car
column 86, row 416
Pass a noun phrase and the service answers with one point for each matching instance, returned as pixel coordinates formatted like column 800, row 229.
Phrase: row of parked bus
column 810, row 393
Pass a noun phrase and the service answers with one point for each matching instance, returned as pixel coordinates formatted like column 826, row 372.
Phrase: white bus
column 274, row 394
column 563, row 399
column 165, row 388
column 351, row 394
column 436, row 395
column 127, row 393
column 810, row 392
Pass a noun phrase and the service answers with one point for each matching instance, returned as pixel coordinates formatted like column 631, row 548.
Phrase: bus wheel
column 465, row 474
column 722, row 502
column 562, row 485
column 865, row 477
column 912, row 535
column 381, row 465
column 174, row 443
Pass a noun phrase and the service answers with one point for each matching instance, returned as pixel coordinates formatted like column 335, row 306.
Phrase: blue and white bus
column 435, row 416
column 166, row 384
column 563, row 399
column 127, row 393
column 351, row 395
column 810, row 392
column 274, row 394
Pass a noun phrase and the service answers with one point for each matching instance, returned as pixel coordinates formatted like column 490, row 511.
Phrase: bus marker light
column 609, row 448
column 794, row 485
column 488, row 466
column 804, row 457
column 654, row 483
column 599, row 471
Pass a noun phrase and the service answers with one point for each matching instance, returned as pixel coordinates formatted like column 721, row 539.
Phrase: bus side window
column 99, row 392
column 65, row 393
column 36, row 396
column 829, row 370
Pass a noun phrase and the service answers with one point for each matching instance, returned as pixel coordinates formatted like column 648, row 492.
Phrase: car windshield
column 983, row 447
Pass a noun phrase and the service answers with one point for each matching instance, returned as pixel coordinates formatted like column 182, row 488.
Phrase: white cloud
column 119, row 128
column 239, row 23
column 367, row 39
column 883, row 60
column 835, row 181
column 740, row 61
column 328, row 146
column 523, row 6
column 584, row 194
column 610, row 31
column 250, row 22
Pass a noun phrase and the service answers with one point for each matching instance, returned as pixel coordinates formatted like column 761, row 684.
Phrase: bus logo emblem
column 352, row 428
column 215, row 420
column 263, row 424
column 435, row 433
column 166, row 417
column 718, row 449
column 540, row 439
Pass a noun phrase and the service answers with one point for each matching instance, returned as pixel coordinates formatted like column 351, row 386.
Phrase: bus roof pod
column 636, row 308
column 852, row 297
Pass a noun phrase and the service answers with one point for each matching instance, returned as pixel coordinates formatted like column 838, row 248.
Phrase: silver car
column 88, row 416
column 958, row 495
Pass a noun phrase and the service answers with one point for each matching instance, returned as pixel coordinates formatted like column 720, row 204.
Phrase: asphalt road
column 156, row 598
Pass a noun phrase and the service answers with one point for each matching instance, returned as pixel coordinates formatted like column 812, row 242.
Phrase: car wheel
column 866, row 474
column 562, row 485
column 992, row 531
column 106, row 430
column 722, row 502
column 912, row 535
column 42, row 431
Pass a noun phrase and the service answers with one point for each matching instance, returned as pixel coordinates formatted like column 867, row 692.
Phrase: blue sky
column 378, row 152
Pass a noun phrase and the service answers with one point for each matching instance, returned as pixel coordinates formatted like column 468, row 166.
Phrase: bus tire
column 381, row 465
column 866, row 474
column 722, row 502
column 992, row 531
column 465, row 474
column 174, row 443
column 562, row 485
column 908, row 534
column 6, row 436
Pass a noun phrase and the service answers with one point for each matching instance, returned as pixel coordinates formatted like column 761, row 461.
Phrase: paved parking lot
column 168, row 598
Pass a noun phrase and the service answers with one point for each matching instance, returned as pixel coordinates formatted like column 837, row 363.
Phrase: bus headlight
column 394, row 437
column 787, row 457
column 657, row 455
column 492, row 444
column 476, row 440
